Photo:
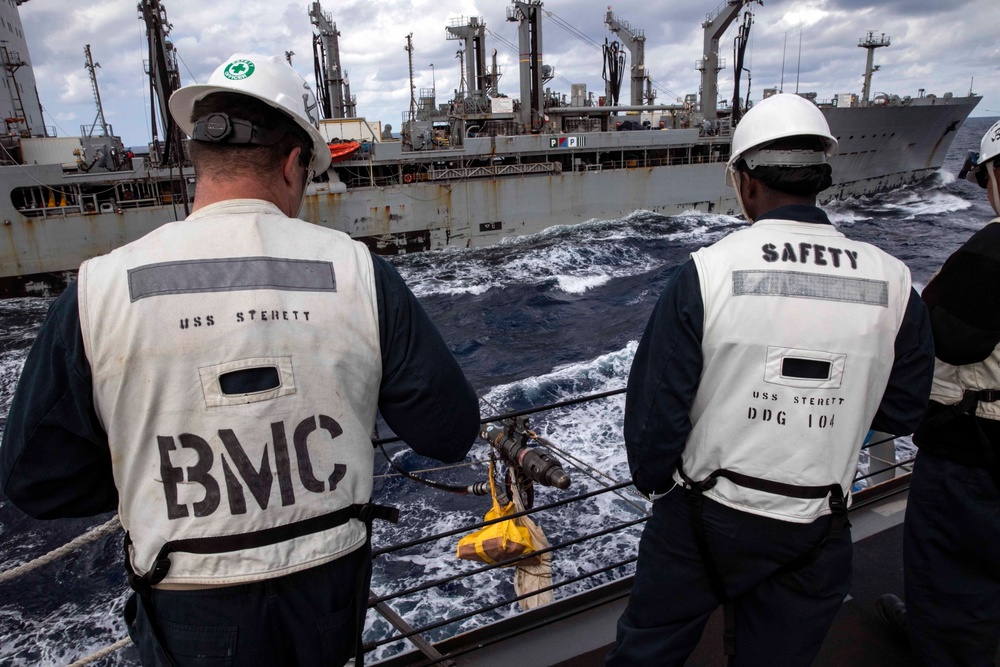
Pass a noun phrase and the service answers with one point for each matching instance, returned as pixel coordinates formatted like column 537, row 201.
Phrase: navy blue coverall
column 55, row 462
column 781, row 619
column 951, row 537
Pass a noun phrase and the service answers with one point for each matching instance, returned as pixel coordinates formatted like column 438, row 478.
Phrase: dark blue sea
column 532, row 321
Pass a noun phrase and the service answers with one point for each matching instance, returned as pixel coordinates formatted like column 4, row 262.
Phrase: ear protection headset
column 219, row 128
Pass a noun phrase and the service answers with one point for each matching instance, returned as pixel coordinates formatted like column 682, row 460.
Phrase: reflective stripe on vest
column 172, row 323
column 798, row 344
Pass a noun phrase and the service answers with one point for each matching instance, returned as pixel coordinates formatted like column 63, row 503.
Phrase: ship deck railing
column 880, row 474
column 51, row 211
column 358, row 177
column 109, row 206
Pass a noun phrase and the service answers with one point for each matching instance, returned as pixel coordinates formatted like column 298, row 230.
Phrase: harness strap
column 696, row 501
column 142, row 584
column 971, row 399
column 967, row 406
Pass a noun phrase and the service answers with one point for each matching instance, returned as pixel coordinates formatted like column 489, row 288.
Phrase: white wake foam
column 571, row 259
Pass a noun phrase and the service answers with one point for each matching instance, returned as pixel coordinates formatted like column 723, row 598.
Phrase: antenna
column 409, row 53
column 798, row 65
column 871, row 42
column 781, row 86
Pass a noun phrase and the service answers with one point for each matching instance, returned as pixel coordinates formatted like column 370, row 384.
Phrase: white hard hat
column 779, row 117
column 989, row 148
column 267, row 78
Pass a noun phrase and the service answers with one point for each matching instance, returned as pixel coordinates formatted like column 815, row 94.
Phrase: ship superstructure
column 480, row 167
column 19, row 104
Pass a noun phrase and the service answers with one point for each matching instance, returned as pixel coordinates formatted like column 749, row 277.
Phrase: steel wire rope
column 571, row 29
column 541, row 623
column 147, row 102
column 580, row 35
column 477, row 526
column 491, row 607
column 576, row 462
column 526, row 411
column 887, row 462
column 591, row 471
column 92, row 534
column 375, row 600
column 579, row 464
column 469, row 489
column 900, row 464
column 505, row 563
column 896, row 464
column 514, row 49
column 880, row 442
column 465, row 464
column 190, row 73
column 462, row 490
column 103, row 653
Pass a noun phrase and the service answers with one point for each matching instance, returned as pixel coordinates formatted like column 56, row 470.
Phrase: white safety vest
column 951, row 382
column 169, row 322
column 799, row 332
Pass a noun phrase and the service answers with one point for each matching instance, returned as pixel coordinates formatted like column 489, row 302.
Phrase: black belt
column 142, row 584
column 696, row 501
column 971, row 399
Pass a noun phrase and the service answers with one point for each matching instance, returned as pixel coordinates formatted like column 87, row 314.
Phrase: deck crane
column 714, row 26
column 333, row 86
column 164, row 79
column 635, row 41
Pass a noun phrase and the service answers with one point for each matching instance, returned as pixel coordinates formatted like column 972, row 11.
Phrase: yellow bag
column 500, row 541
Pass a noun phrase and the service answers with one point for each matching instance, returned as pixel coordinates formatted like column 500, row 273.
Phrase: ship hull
column 880, row 149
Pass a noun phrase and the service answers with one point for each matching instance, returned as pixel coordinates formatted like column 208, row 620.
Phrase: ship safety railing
column 51, row 211
column 673, row 161
column 881, row 472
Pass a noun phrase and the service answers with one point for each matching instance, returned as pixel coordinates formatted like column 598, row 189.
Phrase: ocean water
column 532, row 321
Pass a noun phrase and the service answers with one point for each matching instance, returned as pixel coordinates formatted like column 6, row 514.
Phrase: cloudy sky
column 938, row 45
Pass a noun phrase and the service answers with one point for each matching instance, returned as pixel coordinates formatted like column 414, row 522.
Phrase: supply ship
column 469, row 172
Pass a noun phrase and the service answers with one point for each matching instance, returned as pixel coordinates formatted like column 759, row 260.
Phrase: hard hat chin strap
column 992, row 171
column 736, row 177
